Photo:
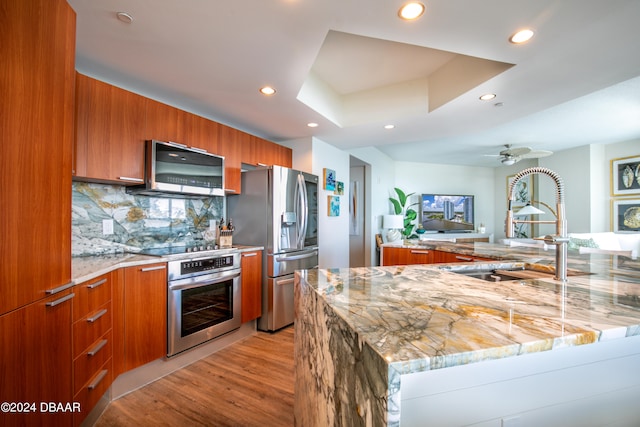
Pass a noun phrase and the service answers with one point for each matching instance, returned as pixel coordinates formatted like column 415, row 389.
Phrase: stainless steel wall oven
column 203, row 300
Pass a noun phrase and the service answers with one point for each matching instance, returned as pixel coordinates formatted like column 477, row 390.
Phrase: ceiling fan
column 511, row 155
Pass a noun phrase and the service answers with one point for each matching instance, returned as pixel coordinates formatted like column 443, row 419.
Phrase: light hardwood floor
column 249, row 383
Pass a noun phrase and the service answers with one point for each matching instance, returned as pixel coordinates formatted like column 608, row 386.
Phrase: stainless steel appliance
column 203, row 299
column 176, row 170
column 278, row 209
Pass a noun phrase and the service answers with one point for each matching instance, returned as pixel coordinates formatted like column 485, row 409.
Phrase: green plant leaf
column 401, row 196
column 396, row 206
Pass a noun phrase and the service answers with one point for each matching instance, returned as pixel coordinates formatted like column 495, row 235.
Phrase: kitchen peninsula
column 421, row 345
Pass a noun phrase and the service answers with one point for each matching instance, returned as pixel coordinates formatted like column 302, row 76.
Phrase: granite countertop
column 423, row 317
column 89, row 267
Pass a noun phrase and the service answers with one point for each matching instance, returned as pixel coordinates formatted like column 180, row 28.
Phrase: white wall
column 433, row 178
column 382, row 175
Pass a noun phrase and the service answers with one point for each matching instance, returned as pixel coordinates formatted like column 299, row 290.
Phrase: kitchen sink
column 489, row 276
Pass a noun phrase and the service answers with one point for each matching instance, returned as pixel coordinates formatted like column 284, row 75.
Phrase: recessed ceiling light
column 487, row 97
column 410, row 11
column 389, row 126
column 267, row 90
column 521, row 36
column 124, row 17
column 312, row 125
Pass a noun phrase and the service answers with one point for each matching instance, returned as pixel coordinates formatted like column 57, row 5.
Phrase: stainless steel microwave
column 175, row 170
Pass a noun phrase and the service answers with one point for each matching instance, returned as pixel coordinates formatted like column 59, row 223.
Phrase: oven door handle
column 197, row 282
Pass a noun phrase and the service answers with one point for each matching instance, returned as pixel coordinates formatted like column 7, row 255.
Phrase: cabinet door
column 36, row 134
column 165, row 123
column 145, row 318
column 251, row 285
column 201, row 133
column 406, row 256
column 231, row 141
column 35, row 349
column 110, row 129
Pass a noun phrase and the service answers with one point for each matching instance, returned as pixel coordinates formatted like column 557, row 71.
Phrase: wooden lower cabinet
column 406, row 256
column 251, row 264
column 35, row 350
column 92, row 343
column 449, row 257
column 145, row 314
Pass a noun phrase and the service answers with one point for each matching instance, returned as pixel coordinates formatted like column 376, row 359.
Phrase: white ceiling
column 358, row 67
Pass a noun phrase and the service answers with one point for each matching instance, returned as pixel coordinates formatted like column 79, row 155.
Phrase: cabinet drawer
column 88, row 329
column 90, row 295
column 92, row 391
column 90, row 360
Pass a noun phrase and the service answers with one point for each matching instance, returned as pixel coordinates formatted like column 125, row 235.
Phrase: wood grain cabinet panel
column 110, row 128
column 406, row 256
column 35, row 350
column 450, row 257
column 145, row 314
column 231, row 141
column 165, row 123
column 37, row 131
column 251, row 285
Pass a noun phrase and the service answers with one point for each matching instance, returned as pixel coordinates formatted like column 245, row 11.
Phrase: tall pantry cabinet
column 37, row 47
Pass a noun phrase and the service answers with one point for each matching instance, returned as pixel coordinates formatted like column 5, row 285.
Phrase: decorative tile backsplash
column 139, row 222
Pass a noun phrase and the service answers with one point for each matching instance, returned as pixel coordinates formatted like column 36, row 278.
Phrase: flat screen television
column 447, row 213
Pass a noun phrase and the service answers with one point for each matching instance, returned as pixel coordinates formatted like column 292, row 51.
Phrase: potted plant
column 400, row 208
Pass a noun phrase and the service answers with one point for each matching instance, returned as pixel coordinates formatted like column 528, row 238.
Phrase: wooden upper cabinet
column 201, row 133
column 166, row 123
column 36, row 130
column 260, row 152
column 230, row 140
column 110, row 129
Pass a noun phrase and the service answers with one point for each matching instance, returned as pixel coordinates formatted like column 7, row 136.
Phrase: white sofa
column 620, row 243
column 607, row 241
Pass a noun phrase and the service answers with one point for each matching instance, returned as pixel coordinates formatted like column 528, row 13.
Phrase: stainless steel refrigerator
column 277, row 209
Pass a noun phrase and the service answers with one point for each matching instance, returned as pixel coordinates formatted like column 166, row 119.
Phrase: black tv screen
column 447, row 213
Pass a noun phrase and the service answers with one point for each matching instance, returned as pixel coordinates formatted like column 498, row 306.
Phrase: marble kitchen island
column 422, row 346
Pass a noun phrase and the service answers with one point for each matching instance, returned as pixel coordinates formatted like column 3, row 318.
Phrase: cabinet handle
column 98, row 379
column 128, row 178
column 199, row 150
column 251, row 254
column 463, row 258
column 96, row 284
column 420, row 252
column 285, row 282
column 97, row 315
column 59, row 288
column 176, row 144
column 60, row 300
column 229, row 190
column 157, row 267
column 96, row 348
column 262, row 164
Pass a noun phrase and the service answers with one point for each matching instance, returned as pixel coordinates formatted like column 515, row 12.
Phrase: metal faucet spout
column 560, row 239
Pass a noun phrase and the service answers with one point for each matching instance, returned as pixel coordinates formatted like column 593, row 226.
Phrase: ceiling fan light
column 508, row 161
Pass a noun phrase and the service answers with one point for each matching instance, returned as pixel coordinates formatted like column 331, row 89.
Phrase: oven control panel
column 206, row 264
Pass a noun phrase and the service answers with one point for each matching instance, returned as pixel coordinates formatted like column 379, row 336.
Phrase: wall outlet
column 107, row 227
column 213, row 224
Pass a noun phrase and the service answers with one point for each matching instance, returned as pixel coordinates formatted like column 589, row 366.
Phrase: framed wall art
column 625, row 176
column 329, row 179
column 339, row 188
column 625, row 215
column 524, row 194
column 333, row 205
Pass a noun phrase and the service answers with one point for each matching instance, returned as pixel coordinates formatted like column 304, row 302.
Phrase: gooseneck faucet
column 560, row 239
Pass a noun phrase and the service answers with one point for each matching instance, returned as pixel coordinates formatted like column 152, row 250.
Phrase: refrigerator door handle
column 303, row 210
column 296, row 257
